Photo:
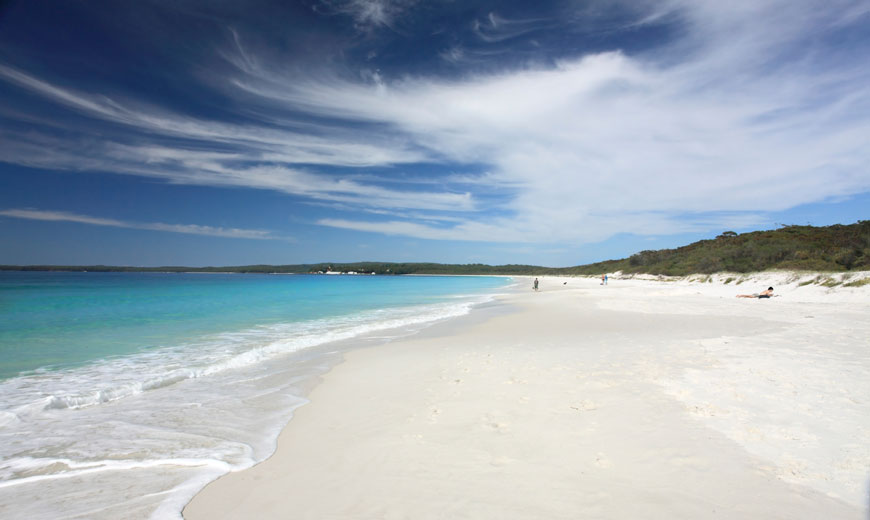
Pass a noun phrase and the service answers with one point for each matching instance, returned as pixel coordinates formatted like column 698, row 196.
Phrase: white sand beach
column 644, row 398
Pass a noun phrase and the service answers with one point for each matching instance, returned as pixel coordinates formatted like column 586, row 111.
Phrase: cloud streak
column 605, row 141
column 188, row 229
column 368, row 15
column 746, row 109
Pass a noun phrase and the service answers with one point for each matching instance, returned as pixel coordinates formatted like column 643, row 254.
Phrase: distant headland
column 834, row 248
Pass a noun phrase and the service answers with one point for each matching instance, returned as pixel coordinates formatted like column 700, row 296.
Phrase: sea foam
column 152, row 427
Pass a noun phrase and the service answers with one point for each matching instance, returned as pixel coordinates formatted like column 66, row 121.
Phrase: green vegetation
column 830, row 282
column 837, row 248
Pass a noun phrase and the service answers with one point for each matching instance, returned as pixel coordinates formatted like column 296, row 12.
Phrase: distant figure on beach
column 535, row 285
column 604, row 279
column 763, row 294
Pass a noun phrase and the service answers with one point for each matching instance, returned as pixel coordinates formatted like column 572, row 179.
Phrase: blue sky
column 551, row 133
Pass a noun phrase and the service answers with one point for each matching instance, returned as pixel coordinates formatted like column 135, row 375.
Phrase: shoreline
column 599, row 400
column 138, row 435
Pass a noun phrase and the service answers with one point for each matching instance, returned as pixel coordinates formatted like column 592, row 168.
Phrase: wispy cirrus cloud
column 251, row 156
column 233, row 170
column 746, row 108
column 496, row 28
column 294, row 142
column 189, row 229
column 367, row 14
column 511, row 230
column 742, row 113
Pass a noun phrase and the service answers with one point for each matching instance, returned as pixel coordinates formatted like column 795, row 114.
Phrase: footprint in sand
column 602, row 461
column 498, row 427
column 491, row 423
column 689, row 461
column 585, row 406
column 500, row 461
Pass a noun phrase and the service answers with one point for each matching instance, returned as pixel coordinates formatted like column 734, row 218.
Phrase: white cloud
column 208, row 168
column 203, row 167
column 495, row 28
column 324, row 188
column 190, row 229
column 747, row 110
column 466, row 230
column 295, row 143
column 369, row 14
column 748, row 114
column 533, row 229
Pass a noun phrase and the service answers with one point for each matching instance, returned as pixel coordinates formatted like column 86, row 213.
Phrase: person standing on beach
column 605, row 278
column 535, row 285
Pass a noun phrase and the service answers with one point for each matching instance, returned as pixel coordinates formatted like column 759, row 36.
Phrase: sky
column 557, row 133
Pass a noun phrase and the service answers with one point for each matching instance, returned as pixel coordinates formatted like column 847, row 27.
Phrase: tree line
column 829, row 248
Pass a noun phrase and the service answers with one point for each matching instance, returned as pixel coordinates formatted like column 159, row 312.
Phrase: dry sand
column 641, row 399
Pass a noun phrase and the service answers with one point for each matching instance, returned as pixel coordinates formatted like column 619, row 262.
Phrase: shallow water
column 123, row 393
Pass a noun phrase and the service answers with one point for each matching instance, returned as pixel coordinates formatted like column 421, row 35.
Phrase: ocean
column 122, row 394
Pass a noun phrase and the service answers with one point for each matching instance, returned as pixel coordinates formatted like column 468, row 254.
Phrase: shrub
column 858, row 283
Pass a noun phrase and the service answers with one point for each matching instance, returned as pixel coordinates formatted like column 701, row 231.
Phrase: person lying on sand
column 763, row 294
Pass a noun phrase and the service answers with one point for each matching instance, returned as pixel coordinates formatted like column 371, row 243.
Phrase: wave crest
column 121, row 378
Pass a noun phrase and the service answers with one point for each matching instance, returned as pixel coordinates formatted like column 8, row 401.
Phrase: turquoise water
column 122, row 394
column 59, row 320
